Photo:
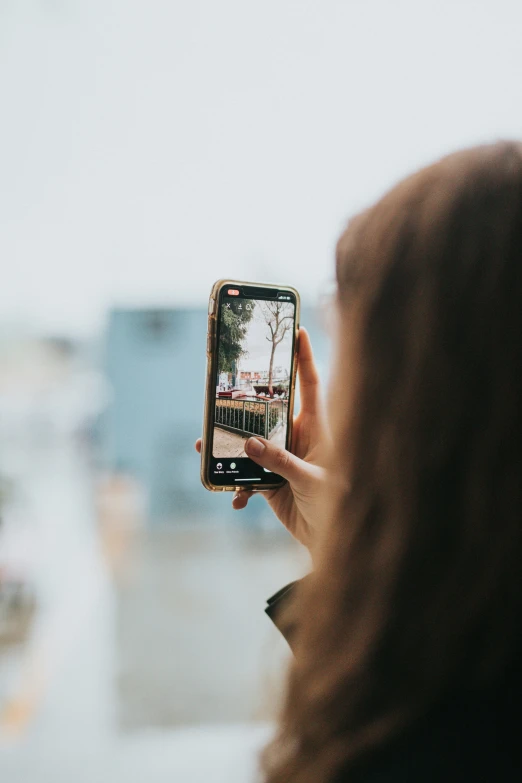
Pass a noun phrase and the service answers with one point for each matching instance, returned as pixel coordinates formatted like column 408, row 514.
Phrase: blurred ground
column 133, row 643
column 226, row 754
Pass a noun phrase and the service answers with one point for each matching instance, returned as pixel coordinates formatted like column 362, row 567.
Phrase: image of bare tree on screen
column 279, row 317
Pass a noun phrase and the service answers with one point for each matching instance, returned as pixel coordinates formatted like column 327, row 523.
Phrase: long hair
column 418, row 582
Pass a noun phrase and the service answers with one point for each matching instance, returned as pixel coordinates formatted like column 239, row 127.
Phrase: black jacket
column 472, row 736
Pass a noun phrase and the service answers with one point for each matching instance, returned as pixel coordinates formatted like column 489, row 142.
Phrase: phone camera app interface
column 254, row 372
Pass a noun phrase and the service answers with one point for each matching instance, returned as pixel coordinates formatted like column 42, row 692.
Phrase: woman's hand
column 296, row 503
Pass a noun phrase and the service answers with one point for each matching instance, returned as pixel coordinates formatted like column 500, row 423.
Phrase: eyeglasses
column 327, row 307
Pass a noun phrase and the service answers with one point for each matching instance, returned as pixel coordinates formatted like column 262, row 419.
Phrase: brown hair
column 418, row 583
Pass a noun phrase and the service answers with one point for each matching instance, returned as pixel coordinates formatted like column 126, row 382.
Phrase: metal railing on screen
column 246, row 418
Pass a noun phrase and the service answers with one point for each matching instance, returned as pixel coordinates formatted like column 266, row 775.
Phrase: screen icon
column 219, row 466
column 248, row 306
column 232, row 465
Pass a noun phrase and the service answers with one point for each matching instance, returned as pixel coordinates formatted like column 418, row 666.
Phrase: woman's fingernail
column 254, row 447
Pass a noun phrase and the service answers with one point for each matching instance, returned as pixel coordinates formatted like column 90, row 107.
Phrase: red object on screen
column 233, row 292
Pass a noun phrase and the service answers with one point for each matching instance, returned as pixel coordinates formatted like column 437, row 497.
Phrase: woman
column 407, row 634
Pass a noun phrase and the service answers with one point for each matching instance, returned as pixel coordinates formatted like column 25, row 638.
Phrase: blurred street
column 175, row 637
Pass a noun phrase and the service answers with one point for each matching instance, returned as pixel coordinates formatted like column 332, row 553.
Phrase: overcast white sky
column 149, row 147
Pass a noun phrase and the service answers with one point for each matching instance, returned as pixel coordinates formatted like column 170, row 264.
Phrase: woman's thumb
column 276, row 460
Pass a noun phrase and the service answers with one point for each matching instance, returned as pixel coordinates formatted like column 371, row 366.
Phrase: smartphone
column 251, row 369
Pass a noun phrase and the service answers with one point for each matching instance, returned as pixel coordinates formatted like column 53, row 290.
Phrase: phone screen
column 254, row 371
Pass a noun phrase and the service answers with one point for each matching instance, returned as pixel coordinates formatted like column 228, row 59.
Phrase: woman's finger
column 309, row 383
column 241, row 498
column 198, row 445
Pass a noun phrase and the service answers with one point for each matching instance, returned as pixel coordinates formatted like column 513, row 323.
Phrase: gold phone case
column 210, row 386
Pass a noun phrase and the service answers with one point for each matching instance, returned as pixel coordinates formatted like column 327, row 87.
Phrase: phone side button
column 211, row 303
column 209, row 343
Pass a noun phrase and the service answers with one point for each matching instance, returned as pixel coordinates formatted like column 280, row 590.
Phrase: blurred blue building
column 155, row 365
